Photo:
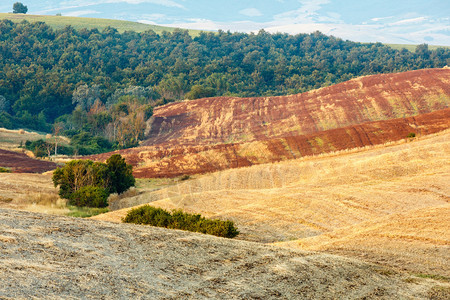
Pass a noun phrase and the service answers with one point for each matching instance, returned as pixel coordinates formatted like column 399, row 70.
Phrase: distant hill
column 43, row 68
column 21, row 163
column 59, row 22
column 212, row 134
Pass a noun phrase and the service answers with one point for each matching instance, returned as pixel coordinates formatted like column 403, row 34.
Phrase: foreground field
column 54, row 257
column 417, row 241
column 310, row 197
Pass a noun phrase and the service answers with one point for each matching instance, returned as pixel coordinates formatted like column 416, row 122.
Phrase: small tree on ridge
column 19, row 8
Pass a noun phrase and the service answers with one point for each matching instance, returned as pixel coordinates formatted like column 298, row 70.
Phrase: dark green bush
column 411, row 135
column 4, row 170
column 90, row 196
column 149, row 215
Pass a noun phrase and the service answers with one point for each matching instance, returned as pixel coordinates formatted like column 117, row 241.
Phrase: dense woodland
column 88, row 83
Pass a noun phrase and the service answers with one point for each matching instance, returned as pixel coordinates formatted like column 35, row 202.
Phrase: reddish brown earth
column 212, row 134
column 172, row 161
column 366, row 99
column 21, row 163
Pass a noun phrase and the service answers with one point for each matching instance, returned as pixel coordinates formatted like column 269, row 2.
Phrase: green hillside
column 412, row 48
column 59, row 22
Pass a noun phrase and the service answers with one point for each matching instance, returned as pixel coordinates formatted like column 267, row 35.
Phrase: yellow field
column 331, row 196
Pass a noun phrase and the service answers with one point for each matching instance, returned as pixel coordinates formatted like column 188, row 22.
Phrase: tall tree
column 19, row 8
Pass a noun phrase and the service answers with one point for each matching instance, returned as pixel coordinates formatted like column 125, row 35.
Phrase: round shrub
column 91, row 196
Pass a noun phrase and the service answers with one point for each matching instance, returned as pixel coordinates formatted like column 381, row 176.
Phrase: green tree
column 85, row 182
column 19, row 8
column 90, row 196
column 199, row 91
column 120, row 174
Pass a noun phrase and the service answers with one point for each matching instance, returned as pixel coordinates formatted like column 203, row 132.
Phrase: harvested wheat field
column 51, row 257
column 32, row 192
column 417, row 241
column 309, row 197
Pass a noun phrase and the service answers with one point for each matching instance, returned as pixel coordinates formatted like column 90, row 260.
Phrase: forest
column 104, row 84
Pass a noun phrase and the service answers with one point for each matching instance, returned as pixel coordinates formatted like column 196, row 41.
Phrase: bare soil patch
column 21, row 163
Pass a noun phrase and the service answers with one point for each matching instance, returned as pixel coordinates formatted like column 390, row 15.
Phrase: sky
column 386, row 21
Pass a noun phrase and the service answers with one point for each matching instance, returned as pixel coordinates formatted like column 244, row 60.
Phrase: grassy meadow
column 59, row 22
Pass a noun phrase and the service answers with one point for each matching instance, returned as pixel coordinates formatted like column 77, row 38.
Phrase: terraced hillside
column 214, row 134
column 366, row 99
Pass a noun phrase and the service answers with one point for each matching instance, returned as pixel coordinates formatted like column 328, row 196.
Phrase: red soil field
column 366, row 99
column 21, row 163
column 212, row 134
column 172, row 161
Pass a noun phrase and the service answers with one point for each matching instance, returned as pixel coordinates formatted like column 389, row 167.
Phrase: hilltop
column 48, row 256
column 59, row 22
column 217, row 133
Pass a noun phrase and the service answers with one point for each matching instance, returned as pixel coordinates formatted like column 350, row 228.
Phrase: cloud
column 307, row 13
column 81, row 13
column 84, row 3
column 251, row 12
column 380, row 19
column 409, row 21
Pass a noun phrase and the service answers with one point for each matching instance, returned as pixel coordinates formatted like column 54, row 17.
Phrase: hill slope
column 213, row 134
column 59, row 22
column 313, row 196
column 405, row 240
column 370, row 98
column 47, row 256
column 21, row 163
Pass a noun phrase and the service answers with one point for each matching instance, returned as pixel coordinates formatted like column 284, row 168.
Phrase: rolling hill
column 317, row 197
column 59, row 22
column 54, row 257
column 213, row 134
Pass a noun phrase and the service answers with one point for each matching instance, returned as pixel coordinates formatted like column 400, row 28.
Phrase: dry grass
column 55, row 257
column 319, row 195
column 32, row 192
column 11, row 139
column 417, row 241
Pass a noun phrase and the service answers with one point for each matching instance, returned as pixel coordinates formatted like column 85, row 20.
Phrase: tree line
column 105, row 84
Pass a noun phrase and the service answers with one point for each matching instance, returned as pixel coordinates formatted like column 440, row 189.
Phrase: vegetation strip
column 149, row 215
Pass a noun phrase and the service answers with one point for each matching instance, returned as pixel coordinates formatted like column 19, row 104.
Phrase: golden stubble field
column 386, row 205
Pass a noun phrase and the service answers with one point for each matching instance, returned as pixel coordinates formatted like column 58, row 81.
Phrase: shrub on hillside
column 90, row 196
column 149, row 215
column 4, row 170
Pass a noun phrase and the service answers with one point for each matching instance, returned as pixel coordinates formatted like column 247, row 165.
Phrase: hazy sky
column 391, row 21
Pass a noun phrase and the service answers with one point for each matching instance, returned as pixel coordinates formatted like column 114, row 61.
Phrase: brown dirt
column 21, row 163
column 172, row 161
column 207, row 135
column 49, row 257
column 361, row 100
